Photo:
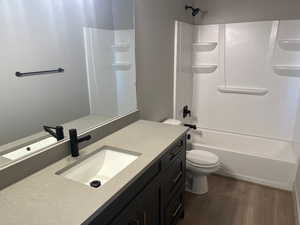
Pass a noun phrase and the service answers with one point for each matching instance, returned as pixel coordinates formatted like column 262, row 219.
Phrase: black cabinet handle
column 173, row 154
column 177, row 178
column 177, row 210
column 180, row 144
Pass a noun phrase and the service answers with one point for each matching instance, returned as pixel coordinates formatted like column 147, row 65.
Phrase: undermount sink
column 30, row 149
column 99, row 167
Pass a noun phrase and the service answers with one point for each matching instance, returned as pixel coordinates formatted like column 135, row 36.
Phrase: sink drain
column 95, row 183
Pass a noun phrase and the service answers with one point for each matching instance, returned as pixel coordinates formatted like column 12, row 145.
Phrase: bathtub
column 259, row 160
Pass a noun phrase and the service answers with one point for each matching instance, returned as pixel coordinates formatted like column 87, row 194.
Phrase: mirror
column 63, row 62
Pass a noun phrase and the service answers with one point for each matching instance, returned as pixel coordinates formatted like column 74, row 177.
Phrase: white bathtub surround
column 290, row 44
column 204, row 46
column 110, row 60
column 253, row 98
column 121, row 47
column 243, row 90
column 255, row 159
column 296, row 148
column 287, row 70
column 126, row 80
column 204, row 69
column 248, row 106
column 183, row 75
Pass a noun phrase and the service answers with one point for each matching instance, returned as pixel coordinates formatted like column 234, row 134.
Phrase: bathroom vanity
column 156, row 197
column 149, row 191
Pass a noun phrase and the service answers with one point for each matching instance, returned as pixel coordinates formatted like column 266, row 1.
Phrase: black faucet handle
column 186, row 112
column 57, row 132
column 85, row 138
column 192, row 126
column 60, row 132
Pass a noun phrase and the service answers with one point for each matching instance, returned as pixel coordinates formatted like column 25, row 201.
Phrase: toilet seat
column 201, row 166
column 202, row 159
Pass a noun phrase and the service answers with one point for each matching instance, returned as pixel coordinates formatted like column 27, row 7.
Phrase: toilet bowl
column 199, row 164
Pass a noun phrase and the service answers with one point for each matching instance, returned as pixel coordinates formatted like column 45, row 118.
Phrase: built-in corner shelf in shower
column 243, row 90
column 287, row 70
column 290, row 44
column 204, row 46
column 121, row 47
column 204, row 68
column 121, row 66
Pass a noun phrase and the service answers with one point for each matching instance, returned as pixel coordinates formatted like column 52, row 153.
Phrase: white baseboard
column 296, row 205
column 255, row 180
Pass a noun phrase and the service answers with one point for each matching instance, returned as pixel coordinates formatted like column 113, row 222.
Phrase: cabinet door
column 175, row 208
column 143, row 210
column 149, row 206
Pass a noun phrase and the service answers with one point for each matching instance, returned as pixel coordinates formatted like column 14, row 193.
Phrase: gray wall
column 155, row 21
column 230, row 11
column 123, row 10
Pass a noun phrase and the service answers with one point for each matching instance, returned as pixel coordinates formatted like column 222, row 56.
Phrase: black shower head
column 195, row 11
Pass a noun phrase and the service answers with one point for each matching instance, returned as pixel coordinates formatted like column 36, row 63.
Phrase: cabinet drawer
column 175, row 208
column 174, row 151
column 174, row 176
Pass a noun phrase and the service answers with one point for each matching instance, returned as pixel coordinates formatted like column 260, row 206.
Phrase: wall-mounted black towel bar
column 59, row 70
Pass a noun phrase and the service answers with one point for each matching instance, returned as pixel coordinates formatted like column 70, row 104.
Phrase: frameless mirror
column 63, row 62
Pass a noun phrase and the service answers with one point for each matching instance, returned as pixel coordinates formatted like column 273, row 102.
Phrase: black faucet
column 74, row 141
column 57, row 132
column 192, row 126
column 186, row 112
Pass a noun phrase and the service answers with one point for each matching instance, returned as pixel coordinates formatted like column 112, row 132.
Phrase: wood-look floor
column 232, row 202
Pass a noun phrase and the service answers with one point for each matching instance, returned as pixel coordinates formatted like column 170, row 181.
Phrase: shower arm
column 193, row 9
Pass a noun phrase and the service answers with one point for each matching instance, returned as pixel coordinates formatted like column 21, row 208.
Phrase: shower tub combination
column 260, row 160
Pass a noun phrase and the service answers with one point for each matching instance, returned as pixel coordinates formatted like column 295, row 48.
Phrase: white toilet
column 199, row 164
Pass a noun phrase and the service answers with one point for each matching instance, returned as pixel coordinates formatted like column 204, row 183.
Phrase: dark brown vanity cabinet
column 154, row 198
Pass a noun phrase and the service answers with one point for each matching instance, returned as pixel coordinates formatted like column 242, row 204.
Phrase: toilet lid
column 200, row 157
